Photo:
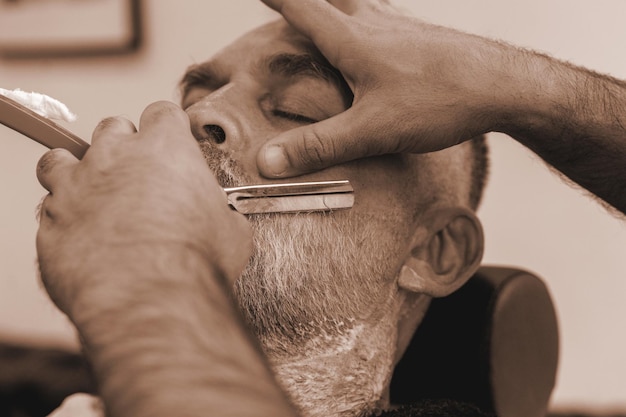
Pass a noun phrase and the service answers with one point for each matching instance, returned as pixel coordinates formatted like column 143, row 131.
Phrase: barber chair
column 494, row 343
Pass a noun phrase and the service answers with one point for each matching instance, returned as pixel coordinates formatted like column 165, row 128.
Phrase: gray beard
column 314, row 284
column 310, row 274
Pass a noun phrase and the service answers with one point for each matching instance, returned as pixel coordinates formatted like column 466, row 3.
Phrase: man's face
column 311, row 274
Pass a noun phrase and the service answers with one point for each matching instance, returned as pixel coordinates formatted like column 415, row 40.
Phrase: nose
column 216, row 118
column 215, row 133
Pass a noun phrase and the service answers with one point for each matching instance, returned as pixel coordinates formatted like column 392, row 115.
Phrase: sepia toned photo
column 68, row 27
column 303, row 208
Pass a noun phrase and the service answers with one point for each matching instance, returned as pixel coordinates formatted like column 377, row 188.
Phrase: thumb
column 347, row 136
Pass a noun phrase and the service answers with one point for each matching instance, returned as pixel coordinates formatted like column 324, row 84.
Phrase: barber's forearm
column 573, row 118
column 179, row 350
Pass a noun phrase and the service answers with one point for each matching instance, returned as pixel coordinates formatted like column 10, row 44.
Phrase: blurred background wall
column 531, row 218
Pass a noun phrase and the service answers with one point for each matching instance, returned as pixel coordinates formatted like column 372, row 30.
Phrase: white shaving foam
column 41, row 104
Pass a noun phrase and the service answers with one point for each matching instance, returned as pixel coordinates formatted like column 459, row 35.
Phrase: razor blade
column 291, row 197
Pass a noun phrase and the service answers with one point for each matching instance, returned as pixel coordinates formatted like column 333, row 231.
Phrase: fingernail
column 275, row 160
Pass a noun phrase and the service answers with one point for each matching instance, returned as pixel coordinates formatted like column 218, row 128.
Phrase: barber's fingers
column 43, row 213
column 112, row 126
column 163, row 115
column 344, row 5
column 358, row 7
column 53, row 167
column 353, row 134
column 318, row 20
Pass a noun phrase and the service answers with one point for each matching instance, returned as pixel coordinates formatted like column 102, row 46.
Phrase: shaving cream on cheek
column 41, row 104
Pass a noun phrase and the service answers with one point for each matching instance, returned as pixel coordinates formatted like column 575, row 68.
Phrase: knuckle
column 316, row 149
column 111, row 125
column 165, row 111
column 42, row 209
column 47, row 212
column 109, row 122
column 163, row 108
column 48, row 161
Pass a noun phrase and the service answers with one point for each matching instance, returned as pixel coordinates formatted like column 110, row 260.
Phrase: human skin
column 159, row 251
column 448, row 87
column 136, row 245
column 237, row 91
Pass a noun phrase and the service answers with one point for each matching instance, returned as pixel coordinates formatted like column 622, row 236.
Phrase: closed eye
column 298, row 118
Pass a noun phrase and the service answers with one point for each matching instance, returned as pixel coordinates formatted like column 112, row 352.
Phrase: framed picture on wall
column 40, row 28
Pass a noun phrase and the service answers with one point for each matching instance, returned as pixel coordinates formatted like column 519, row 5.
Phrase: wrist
column 175, row 348
column 127, row 278
column 489, row 79
column 534, row 96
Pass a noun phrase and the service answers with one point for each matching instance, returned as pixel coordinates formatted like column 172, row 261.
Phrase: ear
column 445, row 253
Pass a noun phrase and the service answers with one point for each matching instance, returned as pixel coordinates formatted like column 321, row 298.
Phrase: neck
column 341, row 375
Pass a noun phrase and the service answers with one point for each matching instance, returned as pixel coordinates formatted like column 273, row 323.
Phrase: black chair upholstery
column 34, row 380
column 493, row 343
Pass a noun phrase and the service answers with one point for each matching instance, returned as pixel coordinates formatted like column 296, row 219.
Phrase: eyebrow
column 293, row 65
column 288, row 65
column 204, row 74
column 306, row 64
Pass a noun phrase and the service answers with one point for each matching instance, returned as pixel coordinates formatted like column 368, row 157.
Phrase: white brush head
column 41, row 104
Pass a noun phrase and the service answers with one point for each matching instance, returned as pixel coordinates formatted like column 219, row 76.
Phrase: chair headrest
column 494, row 343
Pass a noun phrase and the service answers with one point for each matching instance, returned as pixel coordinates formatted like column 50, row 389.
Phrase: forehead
column 269, row 39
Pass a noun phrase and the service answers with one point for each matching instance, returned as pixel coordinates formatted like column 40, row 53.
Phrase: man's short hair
column 479, row 170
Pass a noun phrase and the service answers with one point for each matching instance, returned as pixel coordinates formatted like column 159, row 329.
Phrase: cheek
column 385, row 187
column 386, row 237
column 258, row 131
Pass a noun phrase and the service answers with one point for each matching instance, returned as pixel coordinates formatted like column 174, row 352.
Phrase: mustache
column 227, row 170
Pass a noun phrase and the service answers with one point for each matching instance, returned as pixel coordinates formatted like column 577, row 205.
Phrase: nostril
column 216, row 132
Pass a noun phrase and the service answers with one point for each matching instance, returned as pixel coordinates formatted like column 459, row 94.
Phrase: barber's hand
column 138, row 211
column 417, row 87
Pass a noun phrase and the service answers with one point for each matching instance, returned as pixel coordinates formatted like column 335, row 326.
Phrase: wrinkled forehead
column 270, row 38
